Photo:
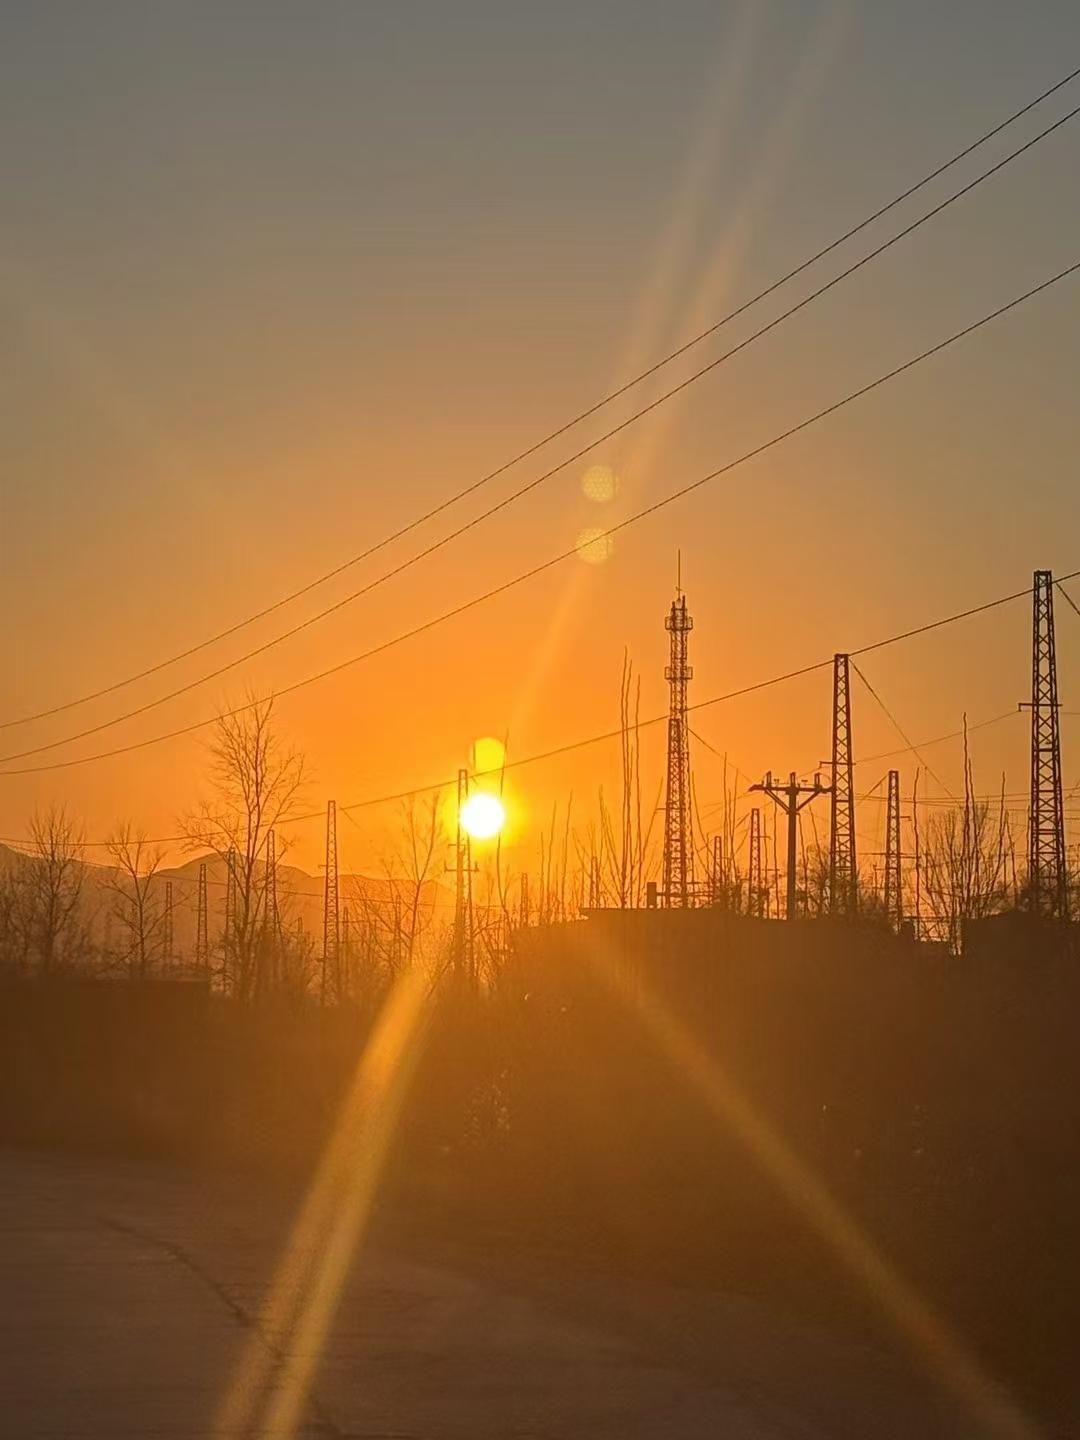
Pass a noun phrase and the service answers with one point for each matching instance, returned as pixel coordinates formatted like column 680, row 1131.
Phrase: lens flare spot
column 489, row 755
column 599, row 484
column 594, row 546
column 482, row 815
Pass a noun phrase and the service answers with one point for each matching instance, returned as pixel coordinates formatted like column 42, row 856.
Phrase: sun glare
column 482, row 815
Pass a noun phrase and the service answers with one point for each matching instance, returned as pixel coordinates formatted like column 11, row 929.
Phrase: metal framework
column 331, row 924
column 843, row 870
column 202, row 935
column 894, row 897
column 755, row 884
column 791, row 798
column 678, row 878
column 1047, row 875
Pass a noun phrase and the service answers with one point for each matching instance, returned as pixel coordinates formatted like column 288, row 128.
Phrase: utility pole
column 331, row 930
column 717, row 876
column 756, row 877
column 678, row 878
column 202, row 939
column 894, row 897
column 462, row 886
column 1047, row 874
column 791, row 798
column 167, row 944
column 843, row 871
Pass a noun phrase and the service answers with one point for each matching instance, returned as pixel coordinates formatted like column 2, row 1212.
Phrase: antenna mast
column 678, row 878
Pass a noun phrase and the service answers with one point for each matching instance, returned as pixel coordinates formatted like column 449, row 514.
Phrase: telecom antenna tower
column 894, row 897
column 843, row 873
column 202, row 941
column 755, row 884
column 1047, row 875
column 331, row 930
column 678, row 879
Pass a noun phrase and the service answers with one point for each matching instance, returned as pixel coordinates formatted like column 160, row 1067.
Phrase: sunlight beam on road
column 930, row 1338
column 269, row 1391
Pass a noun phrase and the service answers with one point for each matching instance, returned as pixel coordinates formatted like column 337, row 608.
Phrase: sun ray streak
column 777, row 154
column 932, row 1341
column 674, row 257
column 273, row 1380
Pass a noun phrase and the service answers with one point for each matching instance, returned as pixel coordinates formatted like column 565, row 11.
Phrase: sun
column 482, row 815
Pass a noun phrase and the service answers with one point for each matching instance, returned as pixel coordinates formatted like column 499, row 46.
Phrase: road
column 133, row 1294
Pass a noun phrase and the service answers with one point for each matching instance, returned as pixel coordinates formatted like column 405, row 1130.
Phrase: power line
column 581, row 416
column 939, row 739
column 535, row 483
column 608, row 735
column 1062, row 591
column 901, row 732
column 564, row 555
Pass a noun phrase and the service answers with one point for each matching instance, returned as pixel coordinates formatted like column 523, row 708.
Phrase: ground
column 133, row 1291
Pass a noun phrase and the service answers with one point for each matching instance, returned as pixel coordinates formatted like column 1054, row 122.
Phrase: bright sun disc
column 482, row 815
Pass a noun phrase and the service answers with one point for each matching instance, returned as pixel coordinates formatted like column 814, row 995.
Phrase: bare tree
column 135, row 902
column 15, row 938
column 964, row 861
column 395, row 920
column 815, row 886
column 255, row 784
column 51, row 888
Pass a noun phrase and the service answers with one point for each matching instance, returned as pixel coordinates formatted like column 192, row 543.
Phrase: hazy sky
column 276, row 277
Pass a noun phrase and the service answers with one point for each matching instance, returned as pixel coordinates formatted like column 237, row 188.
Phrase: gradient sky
column 276, row 277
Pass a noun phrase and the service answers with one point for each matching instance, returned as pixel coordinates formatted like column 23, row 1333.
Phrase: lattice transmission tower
column 843, row 872
column 1047, row 875
column 678, row 878
column 894, row 896
column 202, row 932
column 331, row 923
column 755, row 884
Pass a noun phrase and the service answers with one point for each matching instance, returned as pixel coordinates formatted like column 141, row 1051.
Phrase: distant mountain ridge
column 300, row 895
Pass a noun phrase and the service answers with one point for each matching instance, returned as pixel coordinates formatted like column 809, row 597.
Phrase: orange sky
column 221, row 386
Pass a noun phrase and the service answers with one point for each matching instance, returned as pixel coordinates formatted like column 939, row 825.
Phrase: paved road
column 131, row 1297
